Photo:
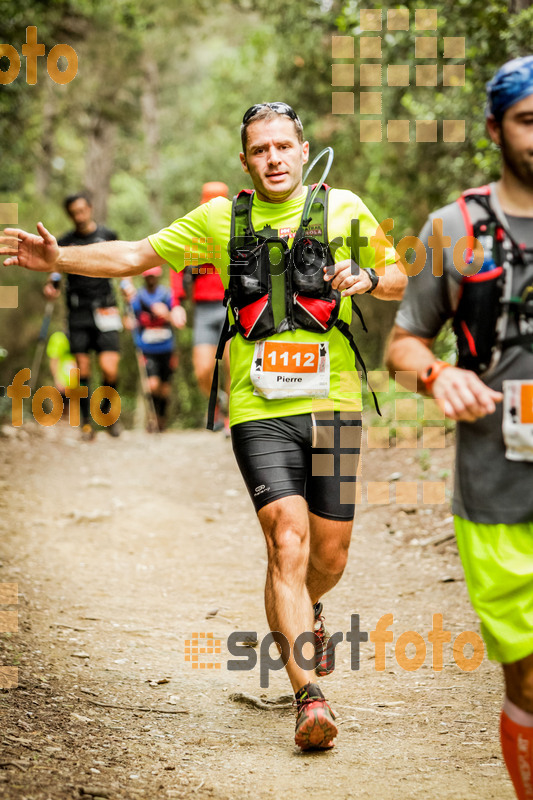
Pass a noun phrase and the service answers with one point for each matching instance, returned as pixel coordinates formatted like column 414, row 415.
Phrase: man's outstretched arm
column 41, row 253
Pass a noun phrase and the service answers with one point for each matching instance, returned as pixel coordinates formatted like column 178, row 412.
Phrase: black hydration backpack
column 485, row 300
column 261, row 306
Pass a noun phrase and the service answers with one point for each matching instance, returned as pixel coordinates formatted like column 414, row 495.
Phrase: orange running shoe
column 315, row 726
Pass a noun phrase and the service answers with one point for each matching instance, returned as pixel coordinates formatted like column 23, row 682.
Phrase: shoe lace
column 299, row 704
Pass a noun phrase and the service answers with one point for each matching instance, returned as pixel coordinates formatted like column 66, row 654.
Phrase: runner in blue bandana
column 490, row 394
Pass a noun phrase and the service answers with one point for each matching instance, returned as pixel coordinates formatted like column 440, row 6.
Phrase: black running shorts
column 84, row 336
column 208, row 321
column 160, row 365
column 312, row 455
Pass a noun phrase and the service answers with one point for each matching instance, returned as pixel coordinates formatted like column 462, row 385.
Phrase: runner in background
column 93, row 319
column 156, row 316
column 209, row 315
column 61, row 362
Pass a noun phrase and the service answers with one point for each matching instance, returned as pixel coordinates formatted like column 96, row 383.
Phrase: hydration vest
column 486, row 302
column 273, row 288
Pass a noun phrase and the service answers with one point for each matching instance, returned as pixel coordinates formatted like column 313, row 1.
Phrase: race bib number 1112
column 283, row 370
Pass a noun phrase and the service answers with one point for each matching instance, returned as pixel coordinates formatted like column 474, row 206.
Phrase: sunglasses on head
column 278, row 107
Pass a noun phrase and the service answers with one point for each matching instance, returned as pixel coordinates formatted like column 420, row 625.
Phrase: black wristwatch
column 374, row 278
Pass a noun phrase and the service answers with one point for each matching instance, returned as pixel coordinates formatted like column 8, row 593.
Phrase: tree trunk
column 150, row 118
column 515, row 6
column 99, row 164
column 43, row 171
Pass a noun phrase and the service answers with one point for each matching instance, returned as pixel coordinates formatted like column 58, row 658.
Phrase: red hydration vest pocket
column 314, row 313
column 252, row 318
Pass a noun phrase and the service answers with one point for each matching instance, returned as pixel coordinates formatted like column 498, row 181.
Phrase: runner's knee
column 153, row 384
column 519, row 683
column 204, row 372
column 83, row 363
column 330, row 560
column 109, row 361
column 287, row 547
column 525, row 690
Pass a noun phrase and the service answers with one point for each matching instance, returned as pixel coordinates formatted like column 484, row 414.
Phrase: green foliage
column 445, row 347
column 517, row 33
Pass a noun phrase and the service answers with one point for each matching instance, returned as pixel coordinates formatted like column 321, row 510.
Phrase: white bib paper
column 282, row 370
column 518, row 420
column 107, row 319
column 155, row 335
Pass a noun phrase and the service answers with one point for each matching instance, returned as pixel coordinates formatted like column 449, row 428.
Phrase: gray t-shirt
column 489, row 488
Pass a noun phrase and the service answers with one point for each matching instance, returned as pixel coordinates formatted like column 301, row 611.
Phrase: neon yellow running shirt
column 202, row 237
column 58, row 348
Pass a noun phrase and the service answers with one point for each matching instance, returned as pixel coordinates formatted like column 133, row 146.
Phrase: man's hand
column 160, row 310
column 128, row 290
column 129, row 322
column 178, row 317
column 466, row 398
column 348, row 278
column 38, row 253
column 51, row 292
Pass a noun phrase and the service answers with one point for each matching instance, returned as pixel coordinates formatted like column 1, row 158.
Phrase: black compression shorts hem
column 308, row 455
column 258, row 504
column 323, row 515
column 333, row 517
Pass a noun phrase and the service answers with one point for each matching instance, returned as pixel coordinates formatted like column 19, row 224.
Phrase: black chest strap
column 228, row 332
column 225, row 335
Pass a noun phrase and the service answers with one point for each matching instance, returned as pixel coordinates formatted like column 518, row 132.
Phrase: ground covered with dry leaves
column 121, row 550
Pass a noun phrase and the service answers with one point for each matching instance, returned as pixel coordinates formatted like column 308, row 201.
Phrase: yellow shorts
column 498, row 565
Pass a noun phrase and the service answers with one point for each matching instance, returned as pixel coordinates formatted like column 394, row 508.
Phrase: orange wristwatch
column 432, row 373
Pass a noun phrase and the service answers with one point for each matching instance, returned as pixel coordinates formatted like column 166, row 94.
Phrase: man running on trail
column 93, row 319
column 489, row 393
column 295, row 392
column 61, row 363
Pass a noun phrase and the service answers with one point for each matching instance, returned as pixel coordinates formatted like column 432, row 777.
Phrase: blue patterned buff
column 512, row 83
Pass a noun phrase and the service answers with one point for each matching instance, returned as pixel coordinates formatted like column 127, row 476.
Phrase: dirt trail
column 122, row 549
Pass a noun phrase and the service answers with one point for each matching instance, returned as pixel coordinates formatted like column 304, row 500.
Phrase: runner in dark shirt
column 93, row 319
